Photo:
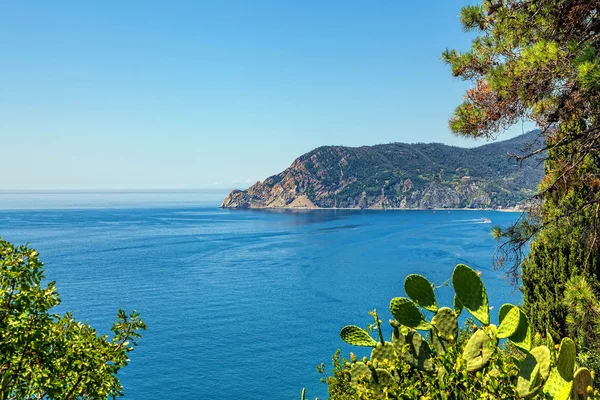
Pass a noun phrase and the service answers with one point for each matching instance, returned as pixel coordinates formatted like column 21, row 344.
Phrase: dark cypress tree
column 566, row 246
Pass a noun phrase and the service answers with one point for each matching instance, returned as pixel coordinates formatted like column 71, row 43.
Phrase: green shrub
column 49, row 356
column 583, row 321
column 448, row 363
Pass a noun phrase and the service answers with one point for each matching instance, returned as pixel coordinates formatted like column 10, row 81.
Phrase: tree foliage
column 539, row 60
column 49, row 356
column 583, row 321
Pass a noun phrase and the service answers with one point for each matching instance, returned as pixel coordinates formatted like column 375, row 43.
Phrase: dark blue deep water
column 239, row 304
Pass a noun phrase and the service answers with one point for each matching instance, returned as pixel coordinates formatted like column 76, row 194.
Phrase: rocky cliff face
column 399, row 176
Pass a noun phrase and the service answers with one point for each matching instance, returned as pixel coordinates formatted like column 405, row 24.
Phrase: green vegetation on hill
column 399, row 175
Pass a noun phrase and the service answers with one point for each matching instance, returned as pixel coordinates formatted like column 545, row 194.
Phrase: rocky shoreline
column 315, row 208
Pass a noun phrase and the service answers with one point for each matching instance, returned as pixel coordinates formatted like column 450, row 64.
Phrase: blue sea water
column 239, row 304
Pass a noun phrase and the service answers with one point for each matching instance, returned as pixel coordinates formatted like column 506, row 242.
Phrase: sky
column 215, row 94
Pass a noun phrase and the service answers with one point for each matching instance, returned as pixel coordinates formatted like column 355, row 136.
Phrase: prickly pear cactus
column 555, row 384
column 550, row 344
column 534, row 370
column 542, row 357
column 410, row 359
column 407, row 313
column 399, row 340
column 565, row 393
column 458, row 306
column 509, row 322
column 561, row 376
column 445, row 324
column 582, row 384
column 356, row 336
column 419, row 353
column 565, row 363
column 412, row 348
column 384, row 352
column 383, row 377
column 444, row 330
column 504, row 309
column 513, row 319
column 471, row 292
column 420, row 290
column 479, row 350
column 360, row 372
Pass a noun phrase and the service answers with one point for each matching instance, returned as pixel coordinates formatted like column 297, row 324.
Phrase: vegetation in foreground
column 539, row 60
column 51, row 356
column 451, row 364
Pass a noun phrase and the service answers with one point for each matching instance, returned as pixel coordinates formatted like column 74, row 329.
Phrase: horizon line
column 115, row 190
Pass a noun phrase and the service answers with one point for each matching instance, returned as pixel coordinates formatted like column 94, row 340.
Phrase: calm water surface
column 239, row 304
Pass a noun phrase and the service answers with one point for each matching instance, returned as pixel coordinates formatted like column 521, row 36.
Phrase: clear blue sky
column 190, row 94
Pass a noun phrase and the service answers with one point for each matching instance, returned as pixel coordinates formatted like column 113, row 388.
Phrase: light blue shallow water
column 239, row 304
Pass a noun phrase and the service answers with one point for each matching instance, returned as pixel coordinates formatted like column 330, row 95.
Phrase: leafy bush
column 449, row 363
column 583, row 321
column 49, row 356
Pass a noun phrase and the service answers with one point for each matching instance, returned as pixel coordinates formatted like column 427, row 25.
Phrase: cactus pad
column 565, row 393
column 383, row 352
column 581, row 380
column 420, row 291
column 408, row 314
column 398, row 340
column 471, row 292
column 360, row 372
column 542, row 356
column 510, row 323
column 418, row 352
column 565, row 362
column 504, row 309
column 534, row 369
column 445, row 329
column 478, row 351
column 356, row 336
column 491, row 330
column 383, row 378
column 458, row 306
column 521, row 338
column 445, row 324
column 439, row 344
column 556, row 387
column 528, row 384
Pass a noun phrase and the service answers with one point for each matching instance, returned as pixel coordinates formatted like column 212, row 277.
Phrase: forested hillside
column 399, row 175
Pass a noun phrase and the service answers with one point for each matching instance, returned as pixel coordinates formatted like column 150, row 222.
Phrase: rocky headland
column 401, row 176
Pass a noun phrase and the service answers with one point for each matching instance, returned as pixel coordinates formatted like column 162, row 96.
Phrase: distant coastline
column 401, row 176
column 507, row 209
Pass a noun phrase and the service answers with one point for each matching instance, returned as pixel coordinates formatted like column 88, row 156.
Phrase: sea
column 240, row 304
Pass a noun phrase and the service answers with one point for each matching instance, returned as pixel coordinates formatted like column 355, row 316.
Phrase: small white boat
column 486, row 221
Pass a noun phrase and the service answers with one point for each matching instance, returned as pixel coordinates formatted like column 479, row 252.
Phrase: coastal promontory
column 401, row 176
